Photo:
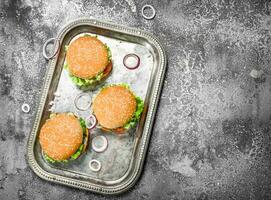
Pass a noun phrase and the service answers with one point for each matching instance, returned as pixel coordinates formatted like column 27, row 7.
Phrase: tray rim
column 157, row 87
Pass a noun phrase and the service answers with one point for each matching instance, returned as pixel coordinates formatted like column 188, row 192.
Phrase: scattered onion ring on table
column 25, row 108
column 153, row 12
column 129, row 65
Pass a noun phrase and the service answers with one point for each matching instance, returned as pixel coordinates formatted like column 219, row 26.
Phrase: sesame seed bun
column 86, row 57
column 61, row 136
column 114, row 106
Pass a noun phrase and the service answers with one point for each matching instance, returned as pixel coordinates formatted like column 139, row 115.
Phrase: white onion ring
column 133, row 56
column 25, row 108
column 77, row 98
column 50, row 56
column 92, row 119
column 152, row 9
column 97, row 148
column 99, row 166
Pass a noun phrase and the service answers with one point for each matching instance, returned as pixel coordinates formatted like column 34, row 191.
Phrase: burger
column 88, row 61
column 63, row 137
column 117, row 108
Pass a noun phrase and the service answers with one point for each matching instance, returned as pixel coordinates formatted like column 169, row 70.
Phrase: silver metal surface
column 56, row 49
column 152, row 10
column 123, row 160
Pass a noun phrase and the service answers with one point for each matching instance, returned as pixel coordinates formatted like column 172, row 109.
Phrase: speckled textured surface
column 211, row 138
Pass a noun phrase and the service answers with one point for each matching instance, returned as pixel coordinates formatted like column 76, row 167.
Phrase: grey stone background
column 211, row 138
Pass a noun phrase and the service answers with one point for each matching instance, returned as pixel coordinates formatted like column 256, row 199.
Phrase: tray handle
column 56, row 44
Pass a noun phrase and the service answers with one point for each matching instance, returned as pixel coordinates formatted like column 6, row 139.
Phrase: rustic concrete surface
column 211, row 138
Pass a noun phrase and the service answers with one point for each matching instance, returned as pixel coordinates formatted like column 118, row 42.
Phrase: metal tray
column 123, row 160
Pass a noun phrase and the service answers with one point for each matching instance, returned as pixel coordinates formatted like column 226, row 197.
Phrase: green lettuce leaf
column 53, row 160
column 139, row 109
column 109, row 54
column 83, row 125
column 86, row 34
column 120, row 84
column 79, row 150
column 84, row 83
column 73, row 157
